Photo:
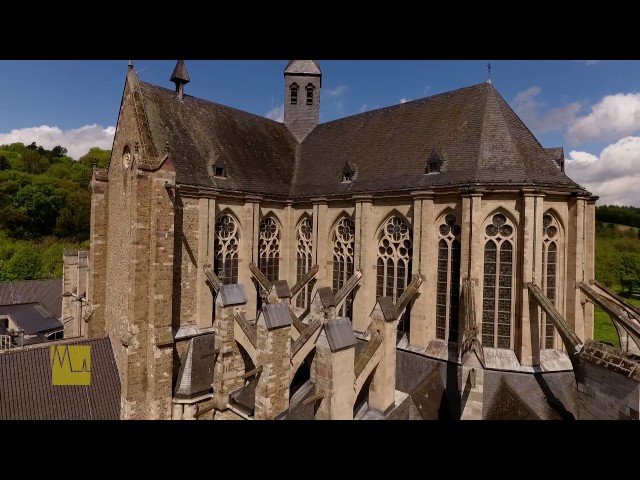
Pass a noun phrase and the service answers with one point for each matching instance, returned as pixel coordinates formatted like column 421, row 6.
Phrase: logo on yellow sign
column 70, row 365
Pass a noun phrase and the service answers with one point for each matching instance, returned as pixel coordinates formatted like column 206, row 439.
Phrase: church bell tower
column 303, row 80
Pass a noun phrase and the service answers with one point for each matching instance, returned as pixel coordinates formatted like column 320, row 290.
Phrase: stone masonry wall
column 606, row 395
column 118, row 197
column 185, row 290
column 97, row 285
column 272, row 390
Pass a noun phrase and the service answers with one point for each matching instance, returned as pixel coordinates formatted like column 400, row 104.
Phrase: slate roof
column 246, row 395
column 546, row 396
column 258, row 153
column 276, row 315
column 282, row 289
column 557, row 155
column 508, row 405
column 309, row 67
column 27, row 392
column 233, row 294
column 46, row 292
column 476, row 134
column 196, row 367
column 180, row 73
column 327, row 297
column 339, row 334
column 429, row 397
column 388, row 308
column 31, row 317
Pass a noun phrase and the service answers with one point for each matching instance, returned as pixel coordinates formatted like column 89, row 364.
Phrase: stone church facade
column 422, row 198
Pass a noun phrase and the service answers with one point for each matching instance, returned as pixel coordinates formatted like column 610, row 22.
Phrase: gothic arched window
column 343, row 240
column 497, row 300
column 225, row 249
column 305, row 250
column 269, row 249
column 393, row 267
column 550, row 240
column 294, row 93
column 310, row 88
column 448, row 284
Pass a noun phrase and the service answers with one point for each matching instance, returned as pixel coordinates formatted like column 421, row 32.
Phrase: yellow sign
column 70, row 365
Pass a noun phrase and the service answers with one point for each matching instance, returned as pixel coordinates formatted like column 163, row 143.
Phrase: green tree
column 25, row 264
column 606, row 262
column 52, row 261
column 4, row 163
column 34, row 162
column 58, row 151
column 74, row 218
column 100, row 156
column 629, row 271
column 33, row 209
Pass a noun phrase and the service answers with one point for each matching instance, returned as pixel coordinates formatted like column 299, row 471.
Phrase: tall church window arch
column 393, row 266
column 294, row 93
column 225, row 248
column 343, row 241
column 551, row 243
column 310, row 89
column 448, row 278
column 304, row 259
column 269, row 248
column 498, row 282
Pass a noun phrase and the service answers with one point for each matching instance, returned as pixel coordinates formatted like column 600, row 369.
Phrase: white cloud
column 426, row 89
column 404, row 100
column 531, row 112
column 614, row 175
column 366, row 108
column 612, row 117
column 276, row 113
column 336, row 92
column 77, row 141
column 335, row 97
column 588, row 63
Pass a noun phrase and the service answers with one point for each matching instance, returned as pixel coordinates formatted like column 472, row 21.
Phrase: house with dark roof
column 28, row 392
column 449, row 237
column 30, row 312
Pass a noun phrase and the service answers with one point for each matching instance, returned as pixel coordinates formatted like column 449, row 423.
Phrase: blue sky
column 590, row 107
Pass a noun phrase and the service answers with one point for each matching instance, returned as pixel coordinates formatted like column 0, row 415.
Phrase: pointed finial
column 489, row 72
column 180, row 77
column 130, row 64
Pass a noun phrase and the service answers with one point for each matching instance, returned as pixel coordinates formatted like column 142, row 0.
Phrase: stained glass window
column 497, row 302
column 225, row 248
column 550, row 274
column 448, row 279
column 304, row 259
column 394, row 262
column 343, row 254
column 269, row 249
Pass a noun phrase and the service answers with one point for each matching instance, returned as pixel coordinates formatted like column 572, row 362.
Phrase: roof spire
column 180, row 77
column 130, row 64
column 489, row 72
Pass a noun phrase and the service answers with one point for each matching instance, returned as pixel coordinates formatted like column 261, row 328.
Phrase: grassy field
column 624, row 228
column 604, row 331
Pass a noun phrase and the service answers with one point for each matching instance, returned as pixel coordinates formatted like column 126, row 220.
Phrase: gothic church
column 423, row 260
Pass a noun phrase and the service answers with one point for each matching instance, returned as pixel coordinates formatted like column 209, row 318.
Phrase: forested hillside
column 618, row 247
column 629, row 216
column 44, row 208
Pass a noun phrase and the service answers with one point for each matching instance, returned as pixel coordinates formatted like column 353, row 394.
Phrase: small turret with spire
column 180, row 77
